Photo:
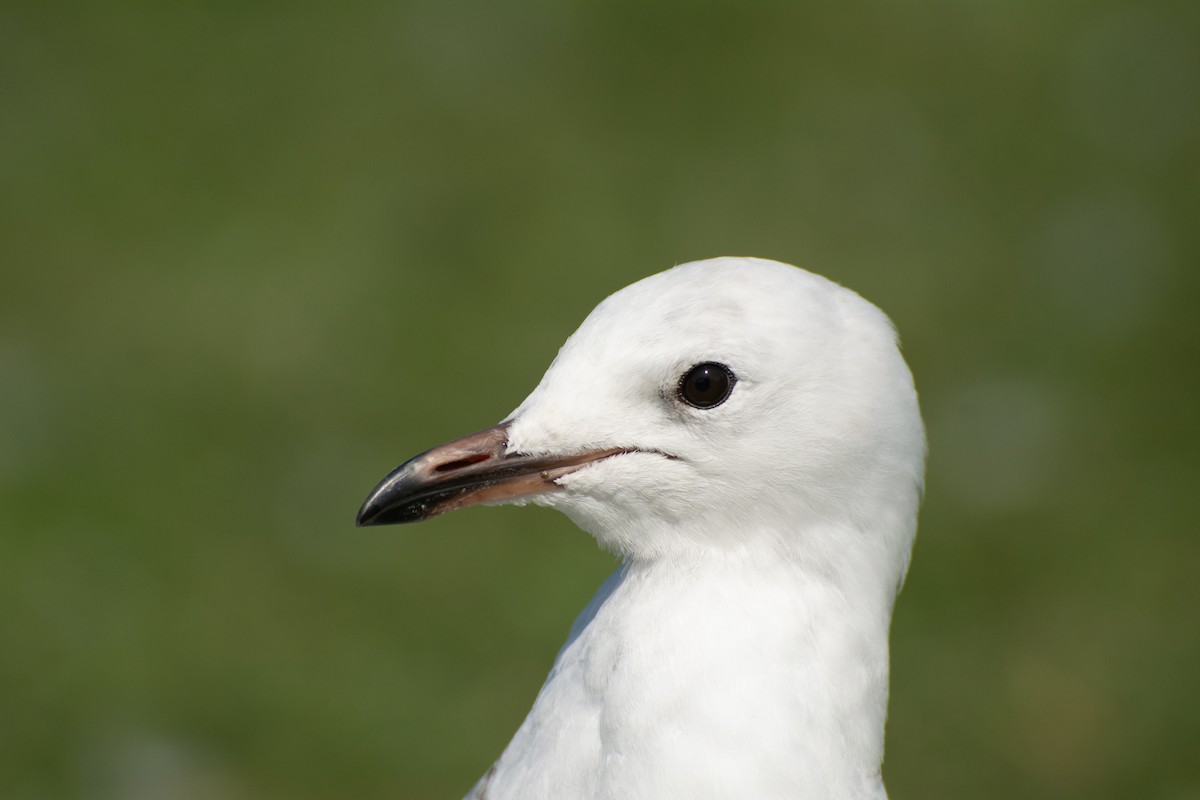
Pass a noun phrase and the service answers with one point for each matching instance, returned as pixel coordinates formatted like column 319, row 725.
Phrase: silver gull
column 745, row 436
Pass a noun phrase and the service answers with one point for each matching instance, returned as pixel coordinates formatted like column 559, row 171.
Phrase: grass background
column 253, row 255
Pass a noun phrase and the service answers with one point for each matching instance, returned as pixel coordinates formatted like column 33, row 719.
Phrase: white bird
column 745, row 435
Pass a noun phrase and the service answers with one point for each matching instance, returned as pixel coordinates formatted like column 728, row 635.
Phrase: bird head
column 726, row 404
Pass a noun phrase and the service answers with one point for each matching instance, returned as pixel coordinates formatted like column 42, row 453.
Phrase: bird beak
column 465, row 472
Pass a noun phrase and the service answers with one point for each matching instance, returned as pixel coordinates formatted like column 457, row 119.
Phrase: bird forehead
column 698, row 311
column 724, row 289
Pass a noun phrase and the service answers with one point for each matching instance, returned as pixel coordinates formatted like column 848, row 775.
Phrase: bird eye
column 706, row 385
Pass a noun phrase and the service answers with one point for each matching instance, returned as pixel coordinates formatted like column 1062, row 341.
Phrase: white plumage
column 741, row 650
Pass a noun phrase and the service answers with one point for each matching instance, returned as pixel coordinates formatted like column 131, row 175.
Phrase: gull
column 745, row 436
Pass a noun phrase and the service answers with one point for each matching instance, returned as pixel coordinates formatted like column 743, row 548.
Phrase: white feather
column 741, row 649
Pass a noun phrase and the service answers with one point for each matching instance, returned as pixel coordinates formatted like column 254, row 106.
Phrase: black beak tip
column 385, row 502
column 375, row 508
column 366, row 516
column 383, row 508
column 392, row 504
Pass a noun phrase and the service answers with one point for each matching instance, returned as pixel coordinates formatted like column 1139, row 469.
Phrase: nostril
column 450, row 466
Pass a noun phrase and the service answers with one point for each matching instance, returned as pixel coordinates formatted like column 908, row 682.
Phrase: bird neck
column 793, row 656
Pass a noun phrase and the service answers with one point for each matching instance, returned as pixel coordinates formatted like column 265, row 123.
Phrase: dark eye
column 706, row 385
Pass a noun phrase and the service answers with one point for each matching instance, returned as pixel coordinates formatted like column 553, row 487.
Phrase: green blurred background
column 256, row 254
